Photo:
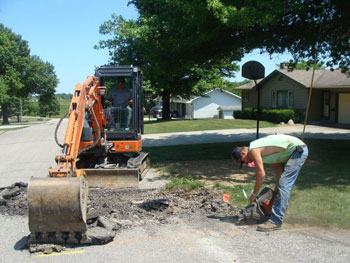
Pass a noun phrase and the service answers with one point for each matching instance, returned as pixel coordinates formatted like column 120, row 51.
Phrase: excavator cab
column 102, row 148
column 122, row 103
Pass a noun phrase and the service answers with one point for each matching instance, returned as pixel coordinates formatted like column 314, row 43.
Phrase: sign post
column 254, row 70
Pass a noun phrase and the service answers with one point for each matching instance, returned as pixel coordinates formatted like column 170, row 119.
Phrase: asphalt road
column 28, row 152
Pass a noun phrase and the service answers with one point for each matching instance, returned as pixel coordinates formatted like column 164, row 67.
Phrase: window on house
column 274, row 99
column 282, row 99
column 290, row 99
column 245, row 96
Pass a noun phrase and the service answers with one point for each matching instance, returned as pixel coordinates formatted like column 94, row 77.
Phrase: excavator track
column 57, row 210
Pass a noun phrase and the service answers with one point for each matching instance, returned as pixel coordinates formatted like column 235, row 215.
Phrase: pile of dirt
column 13, row 199
column 111, row 210
column 131, row 207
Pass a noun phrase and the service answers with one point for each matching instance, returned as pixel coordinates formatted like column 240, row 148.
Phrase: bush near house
column 275, row 115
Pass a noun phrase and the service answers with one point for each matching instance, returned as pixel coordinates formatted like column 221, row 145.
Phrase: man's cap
column 236, row 155
column 121, row 79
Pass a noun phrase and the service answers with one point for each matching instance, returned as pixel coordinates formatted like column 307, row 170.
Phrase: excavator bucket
column 57, row 210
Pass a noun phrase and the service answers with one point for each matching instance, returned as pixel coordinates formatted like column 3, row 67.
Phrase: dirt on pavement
column 134, row 205
column 112, row 210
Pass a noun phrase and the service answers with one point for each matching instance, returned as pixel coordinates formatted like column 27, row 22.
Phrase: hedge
column 275, row 115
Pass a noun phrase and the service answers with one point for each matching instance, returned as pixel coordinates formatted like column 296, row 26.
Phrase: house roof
column 323, row 78
column 207, row 93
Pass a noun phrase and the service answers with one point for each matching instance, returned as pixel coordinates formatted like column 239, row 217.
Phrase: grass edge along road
column 320, row 196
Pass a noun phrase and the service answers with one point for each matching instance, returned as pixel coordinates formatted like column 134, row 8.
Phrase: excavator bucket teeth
column 57, row 210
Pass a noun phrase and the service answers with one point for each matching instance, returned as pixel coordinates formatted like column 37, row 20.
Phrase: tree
column 48, row 104
column 20, row 73
column 302, row 65
column 173, row 39
column 14, row 56
column 137, row 42
column 314, row 30
column 40, row 78
column 31, row 107
column 231, row 86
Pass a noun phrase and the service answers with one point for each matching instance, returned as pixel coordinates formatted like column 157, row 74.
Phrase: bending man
column 287, row 154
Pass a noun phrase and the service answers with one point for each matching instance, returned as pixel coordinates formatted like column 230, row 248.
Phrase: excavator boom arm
column 85, row 99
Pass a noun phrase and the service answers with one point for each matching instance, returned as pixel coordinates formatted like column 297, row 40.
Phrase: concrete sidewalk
column 234, row 135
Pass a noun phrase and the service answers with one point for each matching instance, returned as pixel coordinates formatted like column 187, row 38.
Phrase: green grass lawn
column 64, row 106
column 320, row 196
column 200, row 125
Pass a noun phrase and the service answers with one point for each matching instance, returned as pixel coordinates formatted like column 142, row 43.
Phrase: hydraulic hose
column 57, row 126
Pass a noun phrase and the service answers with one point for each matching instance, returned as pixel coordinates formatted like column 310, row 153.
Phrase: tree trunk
column 5, row 115
column 166, row 105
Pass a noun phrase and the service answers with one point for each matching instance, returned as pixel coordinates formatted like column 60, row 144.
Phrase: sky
column 64, row 32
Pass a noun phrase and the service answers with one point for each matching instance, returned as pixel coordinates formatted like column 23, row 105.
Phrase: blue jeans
column 287, row 180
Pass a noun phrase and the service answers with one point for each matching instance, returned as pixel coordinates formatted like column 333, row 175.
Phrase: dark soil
column 13, row 199
column 131, row 207
column 111, row 210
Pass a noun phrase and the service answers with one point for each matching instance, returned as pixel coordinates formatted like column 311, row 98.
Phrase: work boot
column 268, row 226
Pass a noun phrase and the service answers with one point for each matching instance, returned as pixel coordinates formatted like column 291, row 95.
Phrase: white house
column 217, row 103
column 211, row 105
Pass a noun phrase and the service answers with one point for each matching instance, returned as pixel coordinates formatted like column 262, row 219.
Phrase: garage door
column 344, row 108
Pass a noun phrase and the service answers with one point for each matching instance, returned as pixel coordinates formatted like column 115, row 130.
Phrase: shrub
column 274, row 115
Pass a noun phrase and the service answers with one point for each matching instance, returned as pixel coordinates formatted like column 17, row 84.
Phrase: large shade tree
column 136, row 42
column 174, row 40
column 309, row 29
column 14, row 56
column 21, row 74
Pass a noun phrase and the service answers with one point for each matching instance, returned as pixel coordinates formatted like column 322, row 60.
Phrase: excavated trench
column 112, row 210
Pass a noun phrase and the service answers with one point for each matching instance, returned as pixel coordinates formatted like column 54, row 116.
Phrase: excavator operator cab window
column 118, row 104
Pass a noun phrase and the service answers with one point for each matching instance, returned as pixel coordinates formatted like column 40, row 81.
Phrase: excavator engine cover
column 57, row 210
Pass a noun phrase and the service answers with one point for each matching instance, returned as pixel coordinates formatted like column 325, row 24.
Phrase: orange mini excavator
column 102, row 148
